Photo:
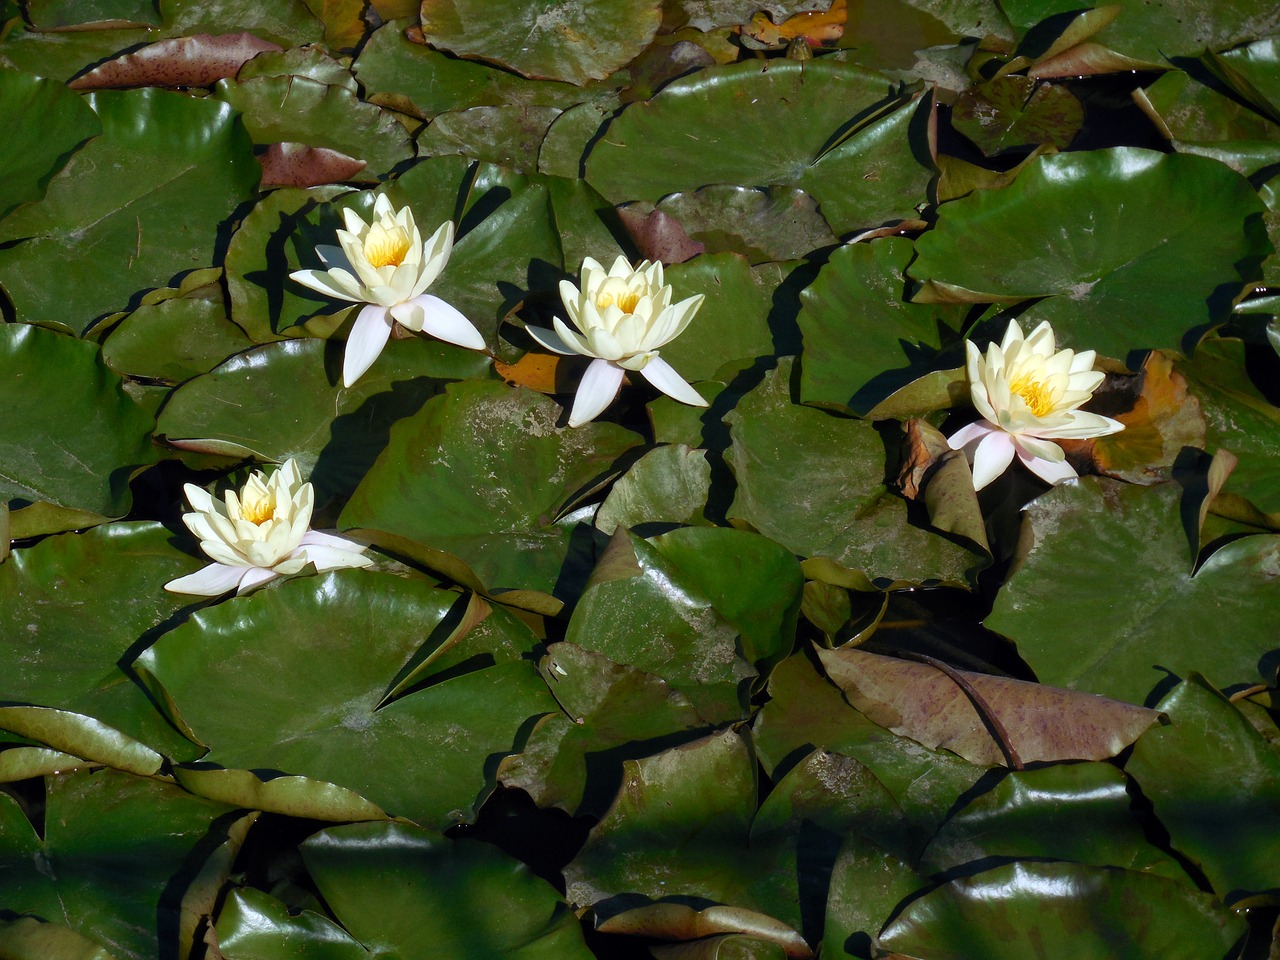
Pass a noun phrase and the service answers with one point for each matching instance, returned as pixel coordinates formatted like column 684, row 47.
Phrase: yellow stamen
column 626, row 302
column 383, row 247
column 1038, row 397
column 259, row 511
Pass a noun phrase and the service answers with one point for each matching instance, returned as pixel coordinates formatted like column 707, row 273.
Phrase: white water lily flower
column 1028, row 395
column 624, row 316
column 385, row 265
column 260, row 533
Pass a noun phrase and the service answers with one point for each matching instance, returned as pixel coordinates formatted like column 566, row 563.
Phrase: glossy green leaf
column 449, row 455
column 107, row 226
column 44, row 123
column 867, row 886
column 1215, row 785
column 816, row 484
column 1103, row 597
column 1076, row 911
column 506, row 135
column 669, row 484
column 863, row 341
column 286, row 400
column 1189, row 110
column 74, row 437
column 174, row 340
column 1131, row 248
column 253, row 925
column 61, row 55
column 774, row 223
column 350, row 634
column 302, row 110
column 73, row 605
column 115, row 856
column 51, row 14
column 839, row 132
column 576, row 41
column 285, row 22
column 1079, row 812
column 640, row 608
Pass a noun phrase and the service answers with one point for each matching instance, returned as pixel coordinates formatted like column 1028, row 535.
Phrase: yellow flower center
column 1038, row 397
column 626, row 302
column 383, row 247
column 259, row 510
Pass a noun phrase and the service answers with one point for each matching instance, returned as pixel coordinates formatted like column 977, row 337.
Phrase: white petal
column 337, row 283
column 663, row 376
column 254, row 577
column 446, row 322
column 435, row 255
column 317, row 538
column 368, row 337
column 198, row 497
column 1081, row 425
column 1033, row 448
column 382, row 206
column 1047, row 470
column 333, row 558
column 596, row 391
column 970, row 434
column 992, row 457
column 550, row 339
column 213, row 581
column 1083, row 361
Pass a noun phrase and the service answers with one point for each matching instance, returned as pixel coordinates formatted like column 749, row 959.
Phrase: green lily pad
column 310, row 61
column 52, row 14
column 61, row 55
column 399, row 73
column 301, row 110
column 74, row 438
column 106, row 228
column 773, row 223
column 350, row 634
column 287, row 23
column 1073, row 910
column 862, row 340
column 1190, row 110
column 1253, row 71
column 839, row 132
column 1214, row 782
column 70, row 664
column 286, row 400
column 253, row 925
column 1131, row 248
column 571, row 40
column 30, row 939
column 482, row 473
column 45, row 123
column 1078, row 812
column 507, row 135
column 815, row 483
column 112, row 861
column 669, row 484
column 405, row 891
column 174, row 340
column 1103, row 597
column 1014, row 111
column 641, row 609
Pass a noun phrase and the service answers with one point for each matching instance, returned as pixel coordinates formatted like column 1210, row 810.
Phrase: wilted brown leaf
column 659, row 236
column 1042, row 724
column 1087, row 60
column 921, row 448
column 537, row 371
column 818, row 27
column 298, row 165
column 198, row 61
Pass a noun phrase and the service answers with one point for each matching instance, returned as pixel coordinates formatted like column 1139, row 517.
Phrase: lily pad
column 816, row 483
column 1074, row 910
column 483, row 473
column 351, row 634
column 158, row 152
column 1131, row 248
column 570, row 40
column 57, row 387
column 266, row 403
column 1103, row 596
column 87, row 868
column 669, row 484
column 44, row 123
column 1209, row 757
column 507, row 135
column 1013, row 111
column 773, row 223
column 863, row 341
column 174, row 340
column 839, row 132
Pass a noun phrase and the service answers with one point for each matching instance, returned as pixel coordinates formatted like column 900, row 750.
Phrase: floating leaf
column 298, row 165
column 1076, row 911
column 773, row 223
column 350, row 634
column 815, row 483
column 198, row 61
column 1032, row 722
column 489, row 471
column 43, row 124
column 174, row 340
column 667, row 485
column 1116, row 240
column 839, row 132
column 576, row 41
column 1214, row 783
column 505, row 135
column 106, row 228
column 1014, row 111
column 1103, row 597
column 75, row 439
